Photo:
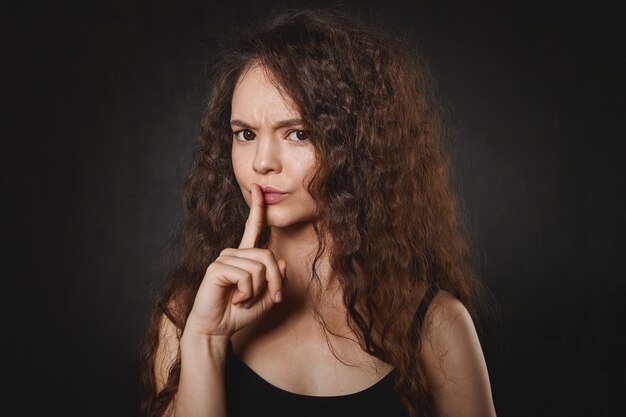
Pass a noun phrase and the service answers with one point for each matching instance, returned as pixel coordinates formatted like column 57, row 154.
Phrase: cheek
column 238, row 161
column 304, row 164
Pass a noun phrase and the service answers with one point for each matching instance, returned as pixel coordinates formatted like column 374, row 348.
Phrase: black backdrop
column 102, row 101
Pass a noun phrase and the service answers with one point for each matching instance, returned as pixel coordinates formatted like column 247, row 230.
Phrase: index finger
column 255, row 219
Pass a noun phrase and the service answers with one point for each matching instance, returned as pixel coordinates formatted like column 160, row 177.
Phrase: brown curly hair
column 381, row 185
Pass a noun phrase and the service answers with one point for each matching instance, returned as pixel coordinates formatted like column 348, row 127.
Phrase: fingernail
column 279, row 296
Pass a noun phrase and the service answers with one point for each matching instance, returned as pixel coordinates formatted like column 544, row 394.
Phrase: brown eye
column 244, row 135
column 300, row 135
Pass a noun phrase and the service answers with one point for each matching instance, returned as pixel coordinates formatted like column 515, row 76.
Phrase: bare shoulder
column 453, row 360
column 448, row 335
column 446, row 306
column 447, row 319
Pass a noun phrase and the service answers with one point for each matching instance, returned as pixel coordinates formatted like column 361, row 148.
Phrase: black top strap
column 422, row 308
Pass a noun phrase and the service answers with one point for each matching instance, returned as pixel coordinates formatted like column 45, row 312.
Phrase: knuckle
column 259, row 268
column 211, row 266
column 263, row 255
column 269, row 255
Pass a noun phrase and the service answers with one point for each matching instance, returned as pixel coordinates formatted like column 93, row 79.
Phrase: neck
column 297, row 245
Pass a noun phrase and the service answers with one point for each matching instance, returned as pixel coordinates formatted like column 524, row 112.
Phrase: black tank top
column 247, row 394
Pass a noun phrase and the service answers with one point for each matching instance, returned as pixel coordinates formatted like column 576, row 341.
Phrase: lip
column 271, row 198
column 270, row 189
column 272, row 195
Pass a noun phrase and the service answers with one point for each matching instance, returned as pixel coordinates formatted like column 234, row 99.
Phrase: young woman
column 324, row 269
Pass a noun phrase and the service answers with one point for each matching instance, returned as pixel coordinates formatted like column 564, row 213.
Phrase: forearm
column 201, row 390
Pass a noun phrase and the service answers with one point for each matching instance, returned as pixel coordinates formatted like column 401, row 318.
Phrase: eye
column 300, row 135
column 244, row 135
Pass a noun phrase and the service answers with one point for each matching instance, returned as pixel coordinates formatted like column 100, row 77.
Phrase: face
column 270, row 148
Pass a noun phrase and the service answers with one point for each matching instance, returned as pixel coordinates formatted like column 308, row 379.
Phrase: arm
column 201, row 390
column 217, row 313
column 453, row 361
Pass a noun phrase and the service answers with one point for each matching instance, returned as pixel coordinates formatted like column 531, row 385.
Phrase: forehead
column 256, row 99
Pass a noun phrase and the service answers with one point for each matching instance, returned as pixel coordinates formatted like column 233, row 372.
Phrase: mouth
column 271, row 198
column 272, row 195
column 271, row 190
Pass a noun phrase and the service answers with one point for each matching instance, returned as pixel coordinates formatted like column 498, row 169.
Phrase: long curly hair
column 381, row 185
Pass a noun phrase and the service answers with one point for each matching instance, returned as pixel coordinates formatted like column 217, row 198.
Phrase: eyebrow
column 278, row 125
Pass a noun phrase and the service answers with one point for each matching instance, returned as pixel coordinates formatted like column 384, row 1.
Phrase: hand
column 241, row 284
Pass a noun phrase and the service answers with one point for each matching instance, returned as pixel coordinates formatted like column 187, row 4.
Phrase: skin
column 265, row 154
column 245, row 297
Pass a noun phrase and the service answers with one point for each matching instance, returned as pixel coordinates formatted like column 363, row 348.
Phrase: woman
column 324, row 270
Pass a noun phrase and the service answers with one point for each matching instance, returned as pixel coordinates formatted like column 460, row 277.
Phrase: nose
column 267, row 156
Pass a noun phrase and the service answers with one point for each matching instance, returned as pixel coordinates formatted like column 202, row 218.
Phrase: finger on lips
column 254, row 223
column 250, row 238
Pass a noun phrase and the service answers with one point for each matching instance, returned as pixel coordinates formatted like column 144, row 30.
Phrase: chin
column 285, row 219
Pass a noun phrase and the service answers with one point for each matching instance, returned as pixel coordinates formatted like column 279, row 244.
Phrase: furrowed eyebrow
column 278, row 125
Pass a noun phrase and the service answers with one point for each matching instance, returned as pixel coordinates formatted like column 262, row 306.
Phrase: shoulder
column 448, row 333
column 452, row 358
column 447, row 319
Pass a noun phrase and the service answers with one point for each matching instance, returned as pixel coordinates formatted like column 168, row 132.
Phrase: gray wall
column 101, row 107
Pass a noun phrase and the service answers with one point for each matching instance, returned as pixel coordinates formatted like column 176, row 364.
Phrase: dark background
column 101, row 104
